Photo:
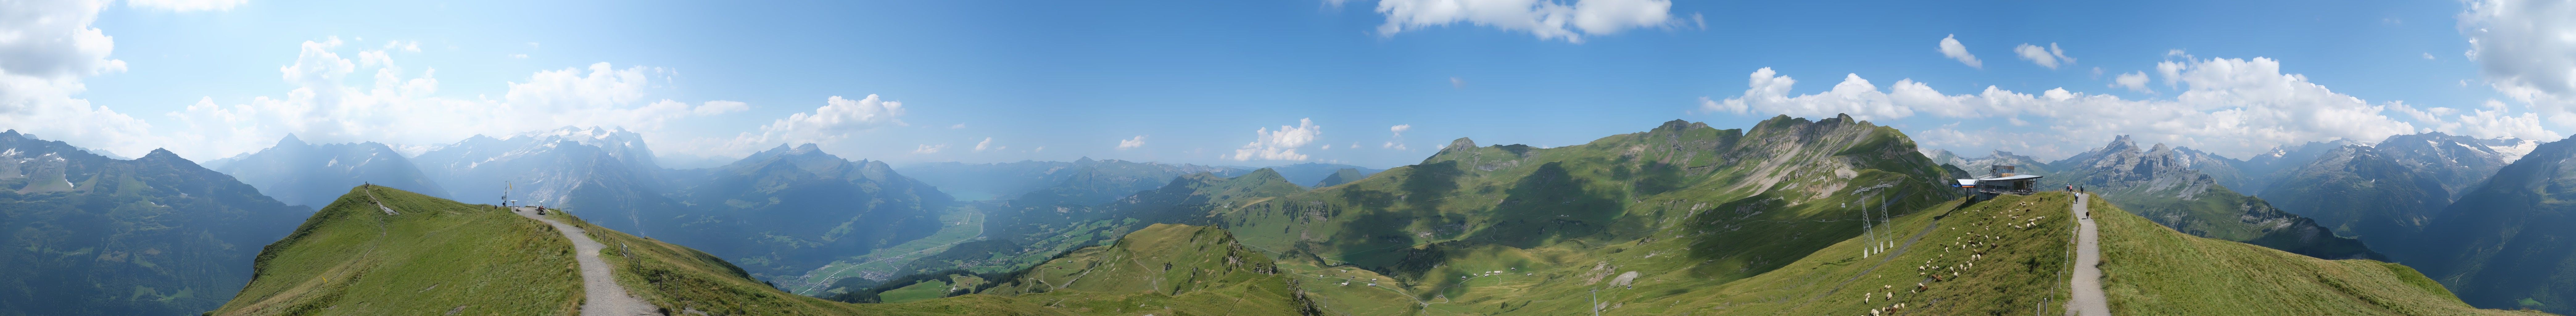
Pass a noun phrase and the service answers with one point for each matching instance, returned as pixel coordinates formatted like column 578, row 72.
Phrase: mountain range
column 1680, row 218
column 1791, row 216
column 95, row 235
column 304, row 174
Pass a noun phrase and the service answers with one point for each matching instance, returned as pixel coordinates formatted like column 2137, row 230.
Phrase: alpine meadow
column 1290, row 158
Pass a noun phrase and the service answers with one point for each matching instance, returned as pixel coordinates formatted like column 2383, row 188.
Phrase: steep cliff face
column 2160, row 183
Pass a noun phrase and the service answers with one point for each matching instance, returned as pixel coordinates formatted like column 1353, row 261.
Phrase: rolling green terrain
column 438, row 256
column 2150, row 269
column 351, row 258
column 1790, row 217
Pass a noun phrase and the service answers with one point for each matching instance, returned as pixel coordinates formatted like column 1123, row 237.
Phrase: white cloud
column 1281, row 144
column 1951, row 48
column 2232, row 107
column 187, row 5
column 2524, row 50
column 2428, row 56
column 2049, row 57
column 1139, row 141
column 1397, row 142
column 837, row 119
column 2491, row 122
column 958, row 126
column 1455, row 82
column 986, row 144
column 929, row 149
column 47, row 50
column 1769, row 92
column 328, row 105
column 1548, row 19
column 2135, row 81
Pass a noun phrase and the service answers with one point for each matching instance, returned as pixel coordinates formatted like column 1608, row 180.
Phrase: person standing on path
column 2087, row 283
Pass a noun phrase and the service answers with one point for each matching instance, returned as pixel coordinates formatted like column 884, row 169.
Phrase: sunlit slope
column 1717, row 204
column 351, row 258
column 438, row 256
column 2000, row 256
column 1192, row 269
column 2149, row 269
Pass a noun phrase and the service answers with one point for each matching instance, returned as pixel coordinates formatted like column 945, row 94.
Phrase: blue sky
column 1271, row 82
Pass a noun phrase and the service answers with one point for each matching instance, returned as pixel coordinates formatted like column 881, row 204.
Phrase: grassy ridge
column 2149, row 269
column 437, row 255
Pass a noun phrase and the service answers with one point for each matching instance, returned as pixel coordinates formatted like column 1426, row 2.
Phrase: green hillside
column 351, row 258
column 92, row 235
column 2149, row 269
column 1022, row 233
column 439, row 256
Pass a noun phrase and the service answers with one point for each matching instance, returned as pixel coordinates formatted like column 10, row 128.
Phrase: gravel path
column 2088, row 259
column 602, row 294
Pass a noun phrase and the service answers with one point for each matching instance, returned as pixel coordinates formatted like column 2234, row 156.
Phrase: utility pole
column 1596, row 301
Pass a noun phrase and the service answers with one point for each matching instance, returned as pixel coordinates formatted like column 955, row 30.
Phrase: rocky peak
column 1460, row 143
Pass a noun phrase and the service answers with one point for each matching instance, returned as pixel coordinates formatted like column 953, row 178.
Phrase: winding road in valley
column 2088, row 259
column 602, row 295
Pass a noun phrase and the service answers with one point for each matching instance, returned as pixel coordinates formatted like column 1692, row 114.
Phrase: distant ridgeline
column 1790, row 217
column 91, row 235
column 1510, row 229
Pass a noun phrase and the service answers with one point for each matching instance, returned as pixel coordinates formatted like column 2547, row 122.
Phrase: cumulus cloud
column 929, row 149
column 2523, row 50
column 186, row 5
column 47, row 49
column 1139, row 141
column 2134, row 81
column 1951, row 48
column 2049, row 57
column 2491, row 122
column 1547, row 19
column 837, row 119
column 2230, row 106
column 1396, row 142
column 1281, row 144
column 332, row 102
column 398, row 107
